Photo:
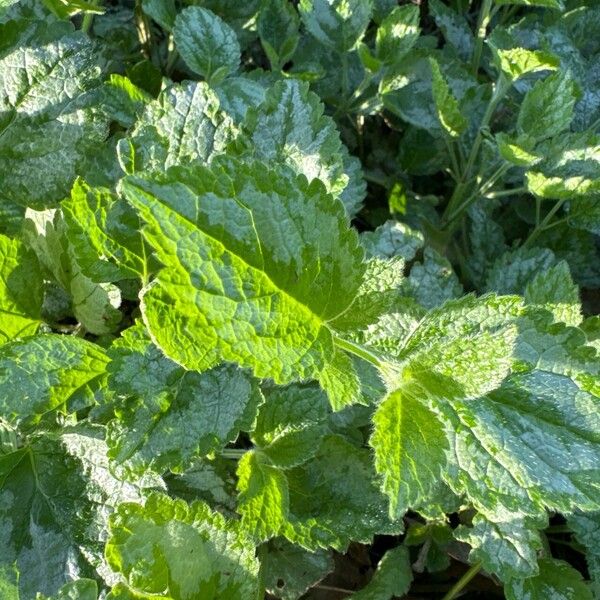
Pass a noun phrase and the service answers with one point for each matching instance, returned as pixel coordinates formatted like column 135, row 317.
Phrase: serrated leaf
column 448, row 111
column 391, row 579
column 455, row 28
column 514, row 151
column 103, row 231
column 184, row 125
column 95, row 305
column 409, row 445
column 289, row 570
column 433, row 281
column 163, row 12
column 340, row 381
column 554, row 290
column 586, row 527
column 516, row 62
column 81, row 589
column 557, row 580
column 170, row 548
column 508, row 548
column 290, row 127
column 20, row 290
column 54, row 506
column 170, row 416
column 277, row 27
column 340, row 475
column 393, row 238
column 233, row 219
column 290, row 424
column 547, row 108
column 263, row 499
column 48, row 117
column 338, row 24
column 397, row 33
column 206, row 43
column 40, row 373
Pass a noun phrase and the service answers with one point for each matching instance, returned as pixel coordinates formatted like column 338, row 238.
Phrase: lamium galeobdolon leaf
column 169, row 416
column 20, row 290
column 55, row 497
column 257, row 261
column 169, row 549
column 50, row 117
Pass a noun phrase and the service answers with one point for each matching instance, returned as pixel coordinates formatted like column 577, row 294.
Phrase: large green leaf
column 20, row 290
column 170, row 549
column 206, row 43
column 49, row 118
column 55, row 497
column 40, row 373
column 170, row 416
column 257, row 262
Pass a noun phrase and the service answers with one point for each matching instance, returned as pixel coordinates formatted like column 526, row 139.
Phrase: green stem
column 233, row 453
column 88, row 19
column 359, row 351
column 261, row 554
column 453, row 158
column 172, row 56
column 503, row 193
column 482, row 24
column 462, row 582
column 543, row 225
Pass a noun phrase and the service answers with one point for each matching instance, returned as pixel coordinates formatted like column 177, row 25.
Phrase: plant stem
column 88, row 19
column 482, row 23
column 233, row 453
column 503, row 193
column 462, row 582
column 543, row 225
column 359, row 351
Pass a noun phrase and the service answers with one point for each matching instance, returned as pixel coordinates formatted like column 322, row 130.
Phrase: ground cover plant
column 299, row 299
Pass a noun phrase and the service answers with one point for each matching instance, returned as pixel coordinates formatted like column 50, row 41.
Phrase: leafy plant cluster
column 278, row 279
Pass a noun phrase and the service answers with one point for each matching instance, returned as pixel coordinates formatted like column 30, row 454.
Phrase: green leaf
column 170, row 416
column 268, row 261
column 94, row 305
column 448, row 111
column 81, row 589
column 338, row 24
column 433, row 281
column 516, row 151
column 512, row 271
column 393, row 238
column 340, row 474
column 184, row 125
column 557, row 580
column 584, row 213
column 561, row 188
column 40, row 373
column 289, row 570
column 391, row 579
column 554, row 290
column 263, row 497
column 586, row 527
column 54, row 504
column 103, row 231
column 48, row 117
column 206, row 43
column 340, row 381
column 455, row 28
column 507, row 548
column 516, row 62
column 290, row 127
column 163, row 12
column 547, row 108
column 20, row 290
column 277, row 27
column 591, row 328
column 173, row 549
column 397, row 33
column 290, row 424
column 410, row 446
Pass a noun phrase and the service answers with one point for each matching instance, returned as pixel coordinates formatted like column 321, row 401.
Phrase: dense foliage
column 283, row 282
